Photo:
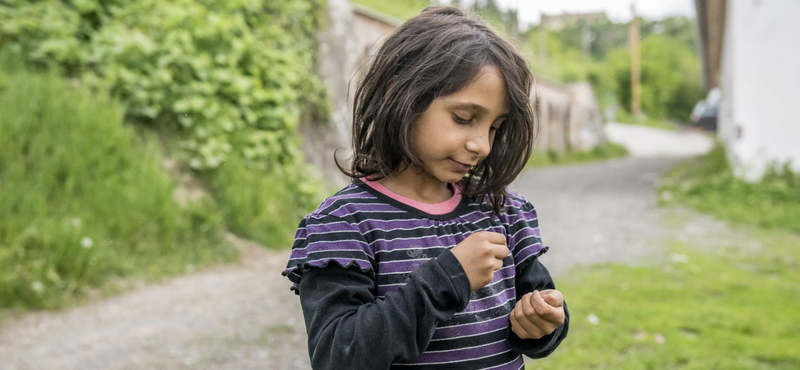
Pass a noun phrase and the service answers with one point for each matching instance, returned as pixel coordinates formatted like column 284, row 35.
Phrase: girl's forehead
column 484, row 94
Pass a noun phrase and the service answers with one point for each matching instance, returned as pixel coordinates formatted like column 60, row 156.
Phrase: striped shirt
column 387, row 237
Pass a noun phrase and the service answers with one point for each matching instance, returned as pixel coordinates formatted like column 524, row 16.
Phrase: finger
column 541, row 307
column 549, row 299
column 530, row 312
column 529, row 324
column 527, row 305
column 553, row 319
column 495, row 238
column 515, row 326
column 498, row 264
column 500, row 252
column 552, row 297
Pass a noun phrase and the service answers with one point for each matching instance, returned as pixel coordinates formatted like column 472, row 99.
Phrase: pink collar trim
column 434, row 209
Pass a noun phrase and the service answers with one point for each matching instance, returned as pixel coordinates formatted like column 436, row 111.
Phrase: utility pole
column 636, row 71
column 542, row 40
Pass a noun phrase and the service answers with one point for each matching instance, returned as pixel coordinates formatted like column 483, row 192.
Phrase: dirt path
column 243, row 316
column 239, row 316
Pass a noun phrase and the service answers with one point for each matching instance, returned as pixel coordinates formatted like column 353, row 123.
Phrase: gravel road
column 244, row 317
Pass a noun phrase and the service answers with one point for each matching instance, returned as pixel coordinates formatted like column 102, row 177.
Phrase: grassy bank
column 264, row 205
column 731, row 308
column 608, row 150
column 84, row 199
column 708, row 184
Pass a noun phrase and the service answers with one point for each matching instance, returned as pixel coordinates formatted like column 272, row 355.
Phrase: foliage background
column 218, row 85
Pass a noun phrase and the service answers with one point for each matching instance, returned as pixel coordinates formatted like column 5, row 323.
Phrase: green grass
column 730, row 308
column 708, row 184
column 400, row 9
column 265, row 206
column 607, row 150
column 83, row 199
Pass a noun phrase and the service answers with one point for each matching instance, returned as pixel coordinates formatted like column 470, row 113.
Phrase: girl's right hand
column 481, row 254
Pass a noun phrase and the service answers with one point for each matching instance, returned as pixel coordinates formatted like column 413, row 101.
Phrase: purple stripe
column 313, row 228
column 528, row 251
column 416, row 243
column 363, row 207
column 323, row 246
column 502, row 273
column 485, row 303
column 334, row 198
column 470, row 329
column 517, row 364
column 420, row 225
column 464, row 354
column 526, row 221
column 400, row 266
column 525, row 231
column 387, row 225
column 450, row 239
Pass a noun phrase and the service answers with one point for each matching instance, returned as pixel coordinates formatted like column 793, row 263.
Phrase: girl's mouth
column 461, row 166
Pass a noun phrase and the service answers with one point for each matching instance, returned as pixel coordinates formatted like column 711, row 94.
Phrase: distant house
column 750, row 52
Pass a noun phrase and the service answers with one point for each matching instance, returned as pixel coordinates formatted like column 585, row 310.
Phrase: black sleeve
column 534, row 276
column 348, row 328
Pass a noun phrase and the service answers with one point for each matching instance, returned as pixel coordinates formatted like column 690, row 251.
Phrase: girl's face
column 457, row 131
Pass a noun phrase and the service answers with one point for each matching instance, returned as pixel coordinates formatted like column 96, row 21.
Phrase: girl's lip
column 463, row 167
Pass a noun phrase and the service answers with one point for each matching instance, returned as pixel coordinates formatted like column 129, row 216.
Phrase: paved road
column 244, row 317
column 603, row 212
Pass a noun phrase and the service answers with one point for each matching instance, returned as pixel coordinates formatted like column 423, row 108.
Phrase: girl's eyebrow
column 475, row 107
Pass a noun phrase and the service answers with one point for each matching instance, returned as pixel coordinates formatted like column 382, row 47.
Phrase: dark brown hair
column 437, row 53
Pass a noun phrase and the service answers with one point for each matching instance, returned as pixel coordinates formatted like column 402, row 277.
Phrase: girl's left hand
column 537, row 314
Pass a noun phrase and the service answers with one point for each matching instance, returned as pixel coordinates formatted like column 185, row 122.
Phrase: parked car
column 704, row 114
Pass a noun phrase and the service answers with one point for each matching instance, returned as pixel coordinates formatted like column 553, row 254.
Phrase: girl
column 425, row 260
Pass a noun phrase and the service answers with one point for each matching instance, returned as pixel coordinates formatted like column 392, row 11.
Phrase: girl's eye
column 460, row 120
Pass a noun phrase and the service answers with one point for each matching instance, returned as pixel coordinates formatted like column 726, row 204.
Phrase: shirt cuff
column 458, row 277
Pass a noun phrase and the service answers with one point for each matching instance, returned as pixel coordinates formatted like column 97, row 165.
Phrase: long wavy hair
column 435, row 54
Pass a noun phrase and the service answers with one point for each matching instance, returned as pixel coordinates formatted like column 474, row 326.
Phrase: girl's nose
column 479, row 145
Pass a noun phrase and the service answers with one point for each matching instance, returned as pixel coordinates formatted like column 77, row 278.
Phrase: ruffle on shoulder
column 324, row 239
column 522, row 225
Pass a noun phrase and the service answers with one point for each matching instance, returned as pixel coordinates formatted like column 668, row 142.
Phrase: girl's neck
column 414, row 183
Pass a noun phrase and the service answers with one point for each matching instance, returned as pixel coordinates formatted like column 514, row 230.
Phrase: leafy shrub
column 229, row 75
column 221, row 80
column 670, row 77
column 82, row 198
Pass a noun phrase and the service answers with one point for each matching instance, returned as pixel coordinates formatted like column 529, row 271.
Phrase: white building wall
column 760, row 110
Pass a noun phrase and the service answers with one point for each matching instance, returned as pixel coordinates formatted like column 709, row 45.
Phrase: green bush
column 670, row 64
column 221, row 80
column 229, row 76
column 670, row 77
column 263, row 205
column 83, row 199
column 708, row 184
